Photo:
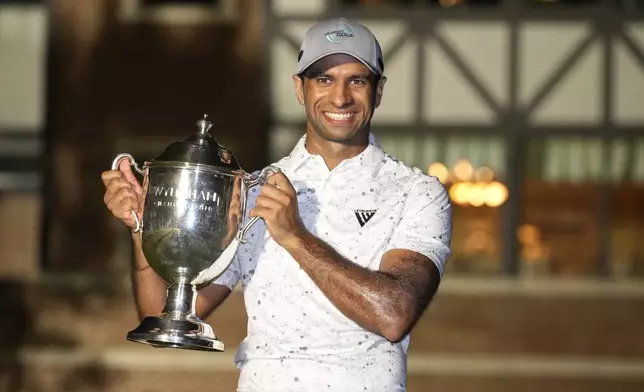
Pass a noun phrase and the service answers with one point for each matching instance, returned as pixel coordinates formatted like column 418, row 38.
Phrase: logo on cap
column 339, row 35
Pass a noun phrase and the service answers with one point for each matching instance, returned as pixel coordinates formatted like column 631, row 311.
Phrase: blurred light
column 477, row 241
column 439, row 171
column 470, row 186
column 463, row 170
column 528, row 235
column 484, row 174
column 459, row 193
column 476, row 196
column 495, row 194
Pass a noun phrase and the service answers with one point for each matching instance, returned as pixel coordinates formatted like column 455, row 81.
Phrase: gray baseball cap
column 340, row 35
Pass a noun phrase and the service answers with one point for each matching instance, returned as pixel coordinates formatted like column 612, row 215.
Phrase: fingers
column 116, row 185
column 109, row 175
column 276, row 194
column 126, row 168
column 122, row 205
column 277, row 205
column 281, row 182
column 262, row 212
column 268, row 202
column 267, row 207
column 235, row 201
column 280, row 195
column 121, row 196
column 124, row 193
column 237, row 189
column 235, row 208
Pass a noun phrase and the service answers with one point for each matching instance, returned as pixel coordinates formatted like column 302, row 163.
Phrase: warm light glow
column 495, row 194
column 463, row 170
column 477, row 241
column 459, row 193
column 535, row 254
column 439, row 171
column 484, row 174
column 476, row 196
column 533, row 250
column 528, row 235
column 469, row 186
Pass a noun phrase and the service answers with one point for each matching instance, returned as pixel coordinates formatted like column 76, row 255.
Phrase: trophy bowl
column 191, row 227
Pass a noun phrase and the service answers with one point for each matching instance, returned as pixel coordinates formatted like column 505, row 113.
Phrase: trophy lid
column 200, row 148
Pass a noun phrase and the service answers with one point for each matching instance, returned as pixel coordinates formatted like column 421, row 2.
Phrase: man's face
column 339, row 98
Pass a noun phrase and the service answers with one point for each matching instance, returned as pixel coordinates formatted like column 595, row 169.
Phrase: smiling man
column 352, row 245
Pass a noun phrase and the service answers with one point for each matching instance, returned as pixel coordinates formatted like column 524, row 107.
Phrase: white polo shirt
column 297, row 339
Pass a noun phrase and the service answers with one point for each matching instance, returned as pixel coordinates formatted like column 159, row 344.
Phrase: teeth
column 339, row 116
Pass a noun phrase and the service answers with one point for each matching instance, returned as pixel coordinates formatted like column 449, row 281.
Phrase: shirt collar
column 368, row 160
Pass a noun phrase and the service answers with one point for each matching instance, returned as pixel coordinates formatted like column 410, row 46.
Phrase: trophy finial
column 204, row 125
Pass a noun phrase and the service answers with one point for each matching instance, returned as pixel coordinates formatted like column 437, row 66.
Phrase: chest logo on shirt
column 364, row 216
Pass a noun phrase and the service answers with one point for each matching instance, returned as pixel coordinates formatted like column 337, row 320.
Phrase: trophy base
column 188, row 334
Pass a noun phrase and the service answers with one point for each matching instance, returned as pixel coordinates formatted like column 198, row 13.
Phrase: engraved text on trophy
column 183, row 194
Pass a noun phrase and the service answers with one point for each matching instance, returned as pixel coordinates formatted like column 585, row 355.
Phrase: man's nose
column 341, row 96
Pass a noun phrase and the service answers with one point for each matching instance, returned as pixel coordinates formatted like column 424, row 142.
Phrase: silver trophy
column 191, row 228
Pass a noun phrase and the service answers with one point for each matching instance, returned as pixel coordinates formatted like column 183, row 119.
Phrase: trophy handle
column 265, row 173
column 115, row 166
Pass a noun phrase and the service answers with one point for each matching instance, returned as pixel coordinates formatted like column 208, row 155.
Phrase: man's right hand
column 124, row 193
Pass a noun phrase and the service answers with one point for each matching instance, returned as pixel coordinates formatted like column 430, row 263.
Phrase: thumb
column 126, row 169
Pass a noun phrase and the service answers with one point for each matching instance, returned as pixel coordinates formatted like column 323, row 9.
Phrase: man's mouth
column 334, row 116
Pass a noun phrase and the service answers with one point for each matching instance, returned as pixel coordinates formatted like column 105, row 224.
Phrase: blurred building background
column 530, row 111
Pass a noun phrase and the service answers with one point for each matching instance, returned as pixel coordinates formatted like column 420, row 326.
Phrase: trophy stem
column 181, row 303
column 178, row 326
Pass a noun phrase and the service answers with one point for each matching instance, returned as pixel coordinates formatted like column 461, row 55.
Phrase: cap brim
column 303, row 68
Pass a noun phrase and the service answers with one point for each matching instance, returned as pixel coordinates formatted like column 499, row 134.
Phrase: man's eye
column 323, row 80
column 358, row 82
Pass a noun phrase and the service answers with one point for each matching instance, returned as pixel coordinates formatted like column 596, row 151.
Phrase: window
column 580, row 193
column 627, row 210
column 560, row 231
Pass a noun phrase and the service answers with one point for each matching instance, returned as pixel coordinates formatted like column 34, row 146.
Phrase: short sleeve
column 426, row 224
column 230, row 277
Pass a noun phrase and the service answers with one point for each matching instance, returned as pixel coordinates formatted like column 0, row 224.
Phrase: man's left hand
column 277, row 205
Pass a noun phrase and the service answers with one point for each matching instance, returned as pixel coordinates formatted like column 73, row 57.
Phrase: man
column 352, row 243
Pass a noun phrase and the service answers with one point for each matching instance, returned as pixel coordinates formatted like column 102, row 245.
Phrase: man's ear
column 299, row 88
column 379, row 87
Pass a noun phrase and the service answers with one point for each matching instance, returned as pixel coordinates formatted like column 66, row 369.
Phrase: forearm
column 377, row 301
column 148, row 288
